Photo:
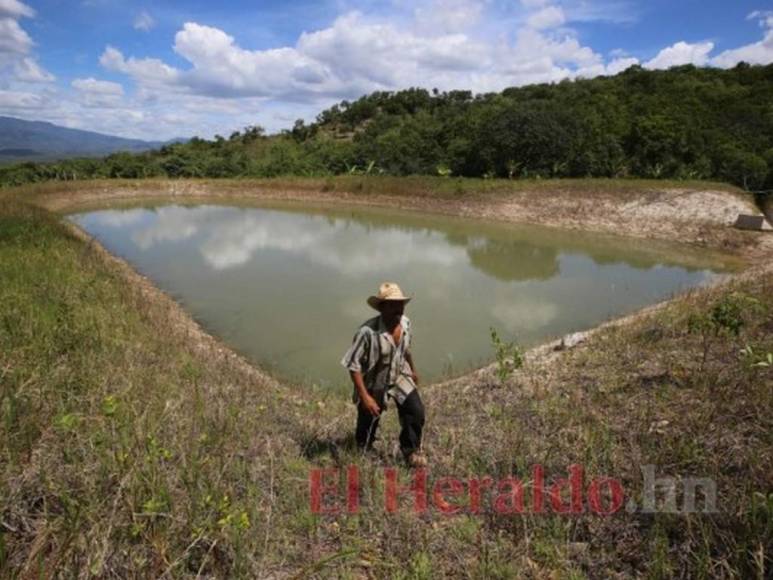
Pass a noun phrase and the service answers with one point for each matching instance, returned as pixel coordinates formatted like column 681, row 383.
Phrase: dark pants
column 411, row 415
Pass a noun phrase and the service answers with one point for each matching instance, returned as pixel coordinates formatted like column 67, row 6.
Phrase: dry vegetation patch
column 133, row 444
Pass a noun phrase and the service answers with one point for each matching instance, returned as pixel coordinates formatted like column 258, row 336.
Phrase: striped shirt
column 383, row 363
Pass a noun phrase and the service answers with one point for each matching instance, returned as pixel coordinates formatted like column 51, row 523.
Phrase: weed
column 727, row 317
column 756, row 359
column 508, row 355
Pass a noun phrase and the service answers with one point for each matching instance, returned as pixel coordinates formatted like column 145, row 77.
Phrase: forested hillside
column 684, row 123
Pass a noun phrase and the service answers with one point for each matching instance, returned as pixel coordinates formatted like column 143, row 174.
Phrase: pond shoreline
column 698, row 217
column 705, row 226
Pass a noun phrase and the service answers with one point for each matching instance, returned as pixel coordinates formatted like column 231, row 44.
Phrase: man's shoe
column 417, row 460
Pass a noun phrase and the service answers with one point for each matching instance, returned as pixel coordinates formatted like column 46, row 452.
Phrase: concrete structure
column 752, row 222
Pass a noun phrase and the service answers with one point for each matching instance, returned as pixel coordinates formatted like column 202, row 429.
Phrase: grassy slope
column 126, row 451
column 401, row 186
column 122, row 448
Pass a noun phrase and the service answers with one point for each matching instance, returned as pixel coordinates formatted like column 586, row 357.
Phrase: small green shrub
column 726, row 318
column 508, row 354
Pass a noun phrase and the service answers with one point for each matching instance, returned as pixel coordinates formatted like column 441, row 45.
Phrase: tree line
column 682, row 123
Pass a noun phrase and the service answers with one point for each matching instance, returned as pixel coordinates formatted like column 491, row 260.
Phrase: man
column 381, row 367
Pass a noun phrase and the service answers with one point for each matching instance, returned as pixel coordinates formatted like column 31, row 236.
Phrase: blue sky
column 157, row 70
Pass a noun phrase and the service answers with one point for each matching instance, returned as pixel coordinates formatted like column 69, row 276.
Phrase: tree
column 742, row 167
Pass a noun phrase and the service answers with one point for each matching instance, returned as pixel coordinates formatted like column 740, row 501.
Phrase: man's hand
column 415, row 378
column 366, row 400
column 371, row 406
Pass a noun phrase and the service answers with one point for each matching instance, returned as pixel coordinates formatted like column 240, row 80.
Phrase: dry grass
column 635, row 395
column 125, row 445
column 412, row 186
column 128, row 449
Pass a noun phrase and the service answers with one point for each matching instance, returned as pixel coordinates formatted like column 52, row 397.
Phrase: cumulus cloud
column 94, row 86
column 22, row 101
column 16, row 63
column 29, row 71
column 357, row 54
column 756, row 53
column 15, row 9
column 681, row 53
column 449, row 15
column 149, row 71
column 144, row 21
column 98, row 94
column 760, row 52
column 13, row 39
column 548, row 17
column 618, row 65
column 351, row 57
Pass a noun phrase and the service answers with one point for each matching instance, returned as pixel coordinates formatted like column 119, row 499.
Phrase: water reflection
column 511, row 260
column 287, row 286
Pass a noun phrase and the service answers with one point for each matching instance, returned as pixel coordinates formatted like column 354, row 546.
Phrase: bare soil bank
column 695, row 216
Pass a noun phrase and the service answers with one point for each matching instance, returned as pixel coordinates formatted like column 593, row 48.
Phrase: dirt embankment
column 698, row 217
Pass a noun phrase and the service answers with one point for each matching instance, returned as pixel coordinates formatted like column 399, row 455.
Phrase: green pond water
column 285, row 285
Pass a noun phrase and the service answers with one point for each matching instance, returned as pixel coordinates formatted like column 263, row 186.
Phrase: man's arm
column 353, row 361
column 409, row 358
column 366, row 400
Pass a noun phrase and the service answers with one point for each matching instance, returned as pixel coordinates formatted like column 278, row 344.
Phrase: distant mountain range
column 37, row 140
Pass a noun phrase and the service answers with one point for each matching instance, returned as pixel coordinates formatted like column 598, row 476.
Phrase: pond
column 285, row 285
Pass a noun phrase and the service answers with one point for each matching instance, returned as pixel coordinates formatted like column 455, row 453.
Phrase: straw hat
column 387, row 291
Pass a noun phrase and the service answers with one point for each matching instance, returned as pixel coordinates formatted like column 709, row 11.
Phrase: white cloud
column 150, row 71
column 16, row 64
column 535, row 47
column 15, row 9
column 548, row 17
column 756, row 53
column 98, row 94
column 94, row 86
column 616, row 66
column 349, row 58
column 144, row 21
column 357, row 55
column 27, row 70
column 449, row 15
column 21, row 101
column 620, row 64
column 765, row 17
column 13, row 39
column 681, row 53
